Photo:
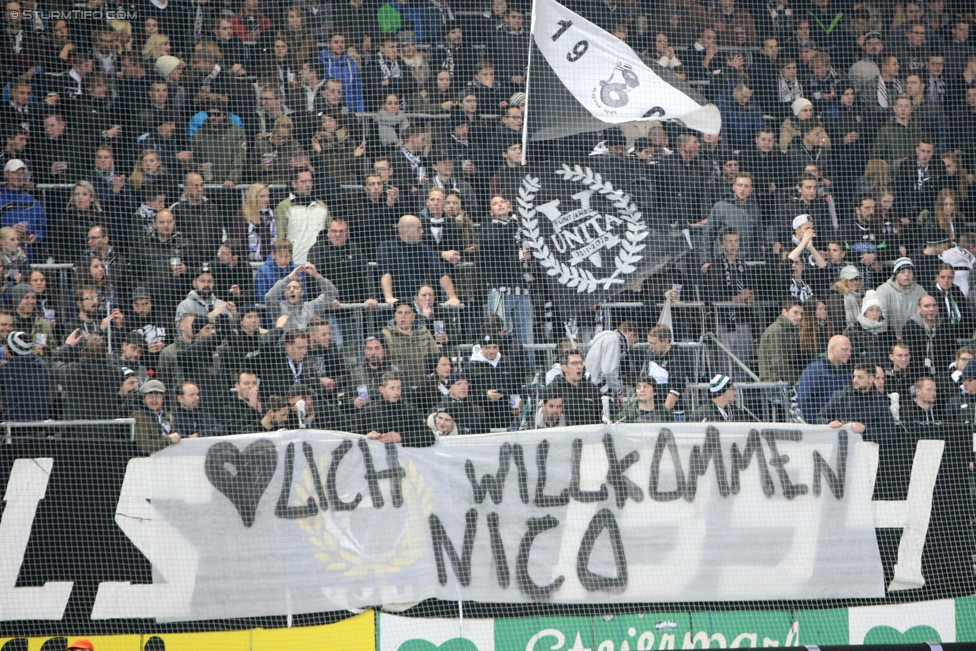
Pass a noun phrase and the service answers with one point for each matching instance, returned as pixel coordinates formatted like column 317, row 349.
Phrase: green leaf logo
column 454, row 644
column 889, row 635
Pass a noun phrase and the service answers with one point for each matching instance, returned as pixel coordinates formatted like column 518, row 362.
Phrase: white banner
column 310, row 521
column 606, row 76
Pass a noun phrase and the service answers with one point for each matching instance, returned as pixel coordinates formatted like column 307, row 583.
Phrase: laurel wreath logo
column 418, row 497
column 583, row 279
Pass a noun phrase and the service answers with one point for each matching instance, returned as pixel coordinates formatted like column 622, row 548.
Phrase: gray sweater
column 298, row 315
column 898, row 305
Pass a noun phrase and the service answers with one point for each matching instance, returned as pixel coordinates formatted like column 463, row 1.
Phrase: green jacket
column 894, row 142
column 631, row 414
column 410, row 352
column 148, row 437
column 223, row 146
column 777, row 352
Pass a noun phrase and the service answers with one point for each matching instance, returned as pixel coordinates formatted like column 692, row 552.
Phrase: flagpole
column 528, row 75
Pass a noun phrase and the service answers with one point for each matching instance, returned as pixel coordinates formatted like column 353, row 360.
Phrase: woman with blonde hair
column 876, row 177
column 415, row 60
column 947, row 212
column 156, row 46
column 255, row 224
column 123, row 36
column 149, row 172
column 844, row 302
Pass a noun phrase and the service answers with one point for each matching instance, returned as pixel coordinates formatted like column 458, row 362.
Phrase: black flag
column 588, row 235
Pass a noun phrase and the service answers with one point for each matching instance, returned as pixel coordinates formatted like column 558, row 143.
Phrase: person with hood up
column 607, row 350
column 930, row 338
column 409, row 346
column 441, row 422
column 899, row 295
column 871, row 337
column 294, row 307
column 202, row 301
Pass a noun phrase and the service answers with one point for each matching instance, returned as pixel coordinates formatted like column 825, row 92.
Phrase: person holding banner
column 860, row 405
column 391, row 420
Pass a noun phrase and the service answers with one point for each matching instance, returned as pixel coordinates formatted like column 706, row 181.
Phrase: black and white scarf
column 415, row 162
column 735, row 273
column 391, row 69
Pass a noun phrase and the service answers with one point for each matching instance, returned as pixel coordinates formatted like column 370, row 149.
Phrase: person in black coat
column 233, row 277
column 582, row 402
column 288, row 368
column 242, row 412
column 918, row 182
column 721, row 408
column 494, row 382
column 930, row 339
column 90, row 381
column 954, row 309
column 871, row 337
column 391, row 420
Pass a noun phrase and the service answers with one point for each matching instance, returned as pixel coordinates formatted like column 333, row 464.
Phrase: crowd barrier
column 85, row 548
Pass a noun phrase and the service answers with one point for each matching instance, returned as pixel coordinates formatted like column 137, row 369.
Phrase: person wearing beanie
column 494, row 382
column 165, row 65
column 721, row 406
column 870, row 335
column 23, row 300
column 441, row 422
column 900, row 294
column 25, row 382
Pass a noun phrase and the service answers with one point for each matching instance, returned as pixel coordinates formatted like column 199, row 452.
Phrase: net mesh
column 267, row 267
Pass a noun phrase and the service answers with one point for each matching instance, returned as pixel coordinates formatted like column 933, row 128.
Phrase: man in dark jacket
column 190, row 418
column 25, row 383
column 391, row 420
column 494, row 382
column 582, row 402
column 930, row 339
column 91, row 383
column 721, row 407
column 242, row 413
column 860, row 405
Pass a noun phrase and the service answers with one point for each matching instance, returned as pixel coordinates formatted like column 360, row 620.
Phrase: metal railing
column 9, row 426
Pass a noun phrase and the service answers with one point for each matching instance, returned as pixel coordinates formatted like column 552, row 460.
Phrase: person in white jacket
column 607, row 349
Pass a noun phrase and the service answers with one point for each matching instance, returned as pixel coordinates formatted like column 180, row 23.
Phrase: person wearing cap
column 931, row 339
column 861, row 405
column 203, row 302
column 141, row 319
column 804, row 203
column 25, row 382
column 441, row 422
column 20, row 210
column 218, row 147
column 154, row 423
column 961, row 403
column 870, row 335
column 900, row 294
column 131, row 348
column 846, row 295
column 805, row 273
column 128, row 396
column 468, row 415
column 80, row 644
column 494, row 382
column 820, row 379
column 720, row 407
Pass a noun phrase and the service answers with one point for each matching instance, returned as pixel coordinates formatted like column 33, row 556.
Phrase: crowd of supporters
column 226, row 177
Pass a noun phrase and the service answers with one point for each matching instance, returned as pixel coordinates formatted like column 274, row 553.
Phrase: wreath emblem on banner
column 418, row 496
column 571, row 275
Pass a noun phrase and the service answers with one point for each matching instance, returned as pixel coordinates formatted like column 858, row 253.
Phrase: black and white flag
column 582, row 78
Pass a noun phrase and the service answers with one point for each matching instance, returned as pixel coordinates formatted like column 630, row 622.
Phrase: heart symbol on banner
column 454, row 644
column 889, row 635
column 242, row 476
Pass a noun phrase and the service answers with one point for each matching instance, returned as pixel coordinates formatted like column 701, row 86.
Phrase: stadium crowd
column 226, row 177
